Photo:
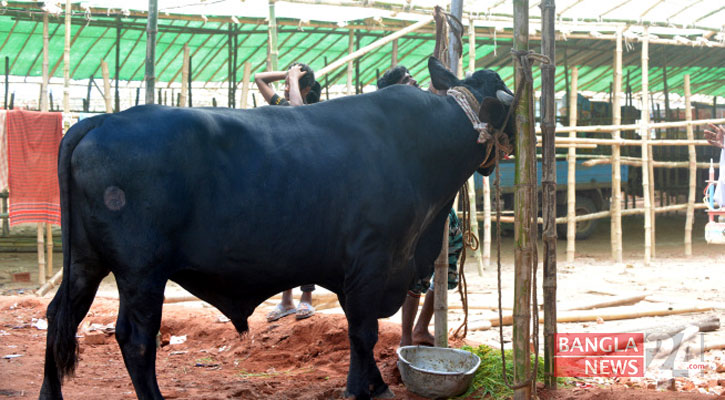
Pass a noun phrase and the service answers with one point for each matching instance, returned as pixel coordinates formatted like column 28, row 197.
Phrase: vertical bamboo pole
column 44, row 85
column 42, row 270
column 151, row 29
column 644, row 133
column 548, row 181
column 440, row 301
column 616, row 205
column 66, row 59
column 245, row 83
column 106, row 87
column 523, row 204
column 117, row 96
column 44, row 108
column 350, row 50
column 49, row 248
column 394, row 54
column 486, row 221
column 272, row 38
column 693, row 172
column 471, row 183
column 184, row 76
column 571, row 175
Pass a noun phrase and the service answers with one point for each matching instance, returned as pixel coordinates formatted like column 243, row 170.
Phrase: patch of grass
column 488, row 381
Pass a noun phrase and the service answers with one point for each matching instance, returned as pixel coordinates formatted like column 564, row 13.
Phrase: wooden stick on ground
column 611, row 315
column 617, row 301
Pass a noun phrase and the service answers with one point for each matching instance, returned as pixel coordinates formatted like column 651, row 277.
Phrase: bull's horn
column 504, row 97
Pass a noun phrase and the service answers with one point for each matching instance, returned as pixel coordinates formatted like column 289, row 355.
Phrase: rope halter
column 470, row 106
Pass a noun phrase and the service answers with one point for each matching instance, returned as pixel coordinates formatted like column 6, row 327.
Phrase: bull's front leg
column 363, row 294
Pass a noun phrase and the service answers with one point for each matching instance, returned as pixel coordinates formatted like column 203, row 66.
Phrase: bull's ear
column 492, row 111
column 440, row 76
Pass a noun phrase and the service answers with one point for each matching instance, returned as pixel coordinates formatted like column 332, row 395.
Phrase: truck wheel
column 584, row 229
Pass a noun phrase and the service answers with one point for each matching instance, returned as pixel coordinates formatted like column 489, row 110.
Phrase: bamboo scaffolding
column 693, row 172
column 571, row 172
column 616, row 203
column 184, row 76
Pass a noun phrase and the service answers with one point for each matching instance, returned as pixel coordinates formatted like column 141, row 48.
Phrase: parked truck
column 593, row 192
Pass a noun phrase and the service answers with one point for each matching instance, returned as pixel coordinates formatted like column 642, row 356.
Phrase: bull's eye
column 114, row 198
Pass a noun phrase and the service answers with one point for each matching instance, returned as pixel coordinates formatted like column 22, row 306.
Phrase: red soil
column 287, row 359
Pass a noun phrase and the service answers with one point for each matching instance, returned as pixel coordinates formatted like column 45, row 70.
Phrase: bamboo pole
column 548, row 181
column 632, row 127
column 644, row 134
column 486, row 221
column 563, row 141
column 638, row 163
column 273, row 52
column 184, row 76
column 693, row 172
column 372, row 46
column 44, row 85
column 44, row 108
column 612, row 314
column 350, row 50
column 616, row 203
column 440, row 286
column 49, row 248
column 571, row 172
column 604, row 214
column 614, row 302
column 394, row 54
column 524, row 202
column 106, row 87
column 245, row 83
column 66, row 59
column 41, row 255
column 478, row 253
column 151, row 30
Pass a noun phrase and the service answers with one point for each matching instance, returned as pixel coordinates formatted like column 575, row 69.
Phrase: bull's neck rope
column 469, row 104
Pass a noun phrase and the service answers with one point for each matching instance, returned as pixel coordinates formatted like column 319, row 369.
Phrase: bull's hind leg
column 65, row 313
column 139, row 319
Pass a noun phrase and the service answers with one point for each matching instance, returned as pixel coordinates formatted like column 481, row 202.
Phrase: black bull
column 235, row 206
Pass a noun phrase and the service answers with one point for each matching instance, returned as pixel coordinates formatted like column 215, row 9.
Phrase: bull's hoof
column 385, row 393
column 382, row 392
column 349, row 395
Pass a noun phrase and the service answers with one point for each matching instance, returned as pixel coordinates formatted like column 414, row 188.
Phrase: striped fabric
column 33, row 140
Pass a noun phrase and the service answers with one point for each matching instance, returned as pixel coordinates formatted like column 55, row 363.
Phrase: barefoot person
column 300, row 88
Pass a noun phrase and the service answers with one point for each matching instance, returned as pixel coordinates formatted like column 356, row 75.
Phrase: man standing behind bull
column 419, row 334
column 300, row 88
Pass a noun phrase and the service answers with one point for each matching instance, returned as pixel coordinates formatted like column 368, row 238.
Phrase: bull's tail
column 62, row 346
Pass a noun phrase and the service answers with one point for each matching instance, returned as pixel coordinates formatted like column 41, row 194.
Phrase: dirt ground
column 308, row 359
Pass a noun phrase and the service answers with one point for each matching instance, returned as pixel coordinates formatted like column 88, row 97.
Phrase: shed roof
column 687, row 37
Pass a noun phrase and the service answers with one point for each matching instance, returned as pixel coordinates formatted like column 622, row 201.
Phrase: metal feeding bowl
column 436, row 372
